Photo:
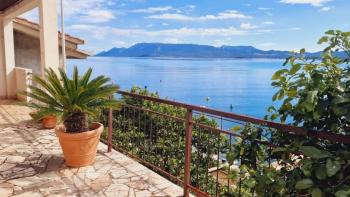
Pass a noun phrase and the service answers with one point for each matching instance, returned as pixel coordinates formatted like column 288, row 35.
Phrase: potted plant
column 73, row 102
column 48, row 122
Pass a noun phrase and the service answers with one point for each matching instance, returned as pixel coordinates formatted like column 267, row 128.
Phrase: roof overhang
column 28, row 25
column 10, row 9
column 5, row 4
column 32, row 29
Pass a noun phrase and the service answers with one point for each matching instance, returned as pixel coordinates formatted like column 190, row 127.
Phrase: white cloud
column 219, row 43
column 268, row 23
column 266, row 45
column 152, row 10
column 185, row 9
column 247, row 26
column 111, row 3
column 180, row 32
column 165, row 24
column 325, row 9
column 76, row 7
column 190, row 7
column 97, row 16
column 228, row 14
column 264, row 9
column 81, row 27
column 172, row 40
column 311, row 2
column 261, row 31
column 89, row 11
column 120, row 43
column 294, row 28
column 90, row 30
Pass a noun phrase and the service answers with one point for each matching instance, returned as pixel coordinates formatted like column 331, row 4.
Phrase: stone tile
column 30, row 193
column 120, row 189
column 15, row 159
column 31, row 164
column 6, row 189
column 144, row 193
column 101, row 183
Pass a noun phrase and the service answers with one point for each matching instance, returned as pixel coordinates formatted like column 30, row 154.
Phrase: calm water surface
column 242, row 83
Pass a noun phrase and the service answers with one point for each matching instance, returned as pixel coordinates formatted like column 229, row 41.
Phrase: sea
column 240, row 86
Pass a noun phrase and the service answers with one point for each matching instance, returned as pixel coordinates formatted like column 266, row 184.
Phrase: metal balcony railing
column 187, row 143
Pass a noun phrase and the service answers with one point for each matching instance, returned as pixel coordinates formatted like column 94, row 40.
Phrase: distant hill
column 195, row 51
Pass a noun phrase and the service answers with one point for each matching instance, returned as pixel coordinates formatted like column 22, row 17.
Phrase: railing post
column 188, row 151
column 110, row 130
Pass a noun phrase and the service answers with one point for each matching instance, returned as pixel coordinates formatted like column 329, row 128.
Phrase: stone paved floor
column 31, row 164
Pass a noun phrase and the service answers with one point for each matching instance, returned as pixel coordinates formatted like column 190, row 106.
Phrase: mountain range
column 194, row 51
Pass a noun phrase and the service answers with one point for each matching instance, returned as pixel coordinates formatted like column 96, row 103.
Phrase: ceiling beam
column 20, row 8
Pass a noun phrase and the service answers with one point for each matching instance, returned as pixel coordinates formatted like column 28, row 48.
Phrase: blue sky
column 265, row 24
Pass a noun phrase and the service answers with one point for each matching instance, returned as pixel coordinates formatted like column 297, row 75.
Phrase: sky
column 264, row 24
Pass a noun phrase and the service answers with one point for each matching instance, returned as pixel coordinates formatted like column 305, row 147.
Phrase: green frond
column 85, row 79
column 61, row 96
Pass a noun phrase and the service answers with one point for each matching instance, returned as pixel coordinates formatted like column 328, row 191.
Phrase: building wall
column 27, row 52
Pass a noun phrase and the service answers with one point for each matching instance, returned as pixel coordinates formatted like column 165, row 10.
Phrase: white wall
column 27, row 52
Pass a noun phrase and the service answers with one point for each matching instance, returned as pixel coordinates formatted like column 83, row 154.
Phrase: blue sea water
column 243, row 83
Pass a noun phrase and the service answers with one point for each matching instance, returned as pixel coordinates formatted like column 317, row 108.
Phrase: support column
column 3, row 88
column 7, row 60
column 48, row 35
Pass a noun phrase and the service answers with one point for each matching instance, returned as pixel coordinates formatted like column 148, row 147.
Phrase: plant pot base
column 80, row 161
column 79, row 149
column 49, row 122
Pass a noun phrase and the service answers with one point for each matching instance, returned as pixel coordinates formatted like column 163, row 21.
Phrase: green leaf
column 236, row 128
column 274, row 97
column 313, row 152
column 311, row 95
column 307, row 167
column 274, row 116
column 332, row 167
column 281, row 95
column 342, row 193
column 292, row 93
column 250, row 182
column 323, row 40
column 295, row 68
column 316, row 192
column 279, row 149
column 230, row 156
column 278, row 74
column 330, row 32
column 320, row 172
column 304, row 184
column 271, row 109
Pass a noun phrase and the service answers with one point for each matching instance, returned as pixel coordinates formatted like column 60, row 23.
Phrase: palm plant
column 72, row 100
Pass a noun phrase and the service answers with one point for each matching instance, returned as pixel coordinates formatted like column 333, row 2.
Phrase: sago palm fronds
column 72, row 100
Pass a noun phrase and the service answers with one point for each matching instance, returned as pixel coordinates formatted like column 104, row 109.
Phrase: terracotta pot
column 79, row 149
column 49, row 122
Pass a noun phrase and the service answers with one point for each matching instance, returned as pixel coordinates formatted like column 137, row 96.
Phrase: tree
column 315, row 94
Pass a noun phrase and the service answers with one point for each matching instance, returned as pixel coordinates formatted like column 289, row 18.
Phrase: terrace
column 31, row 164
